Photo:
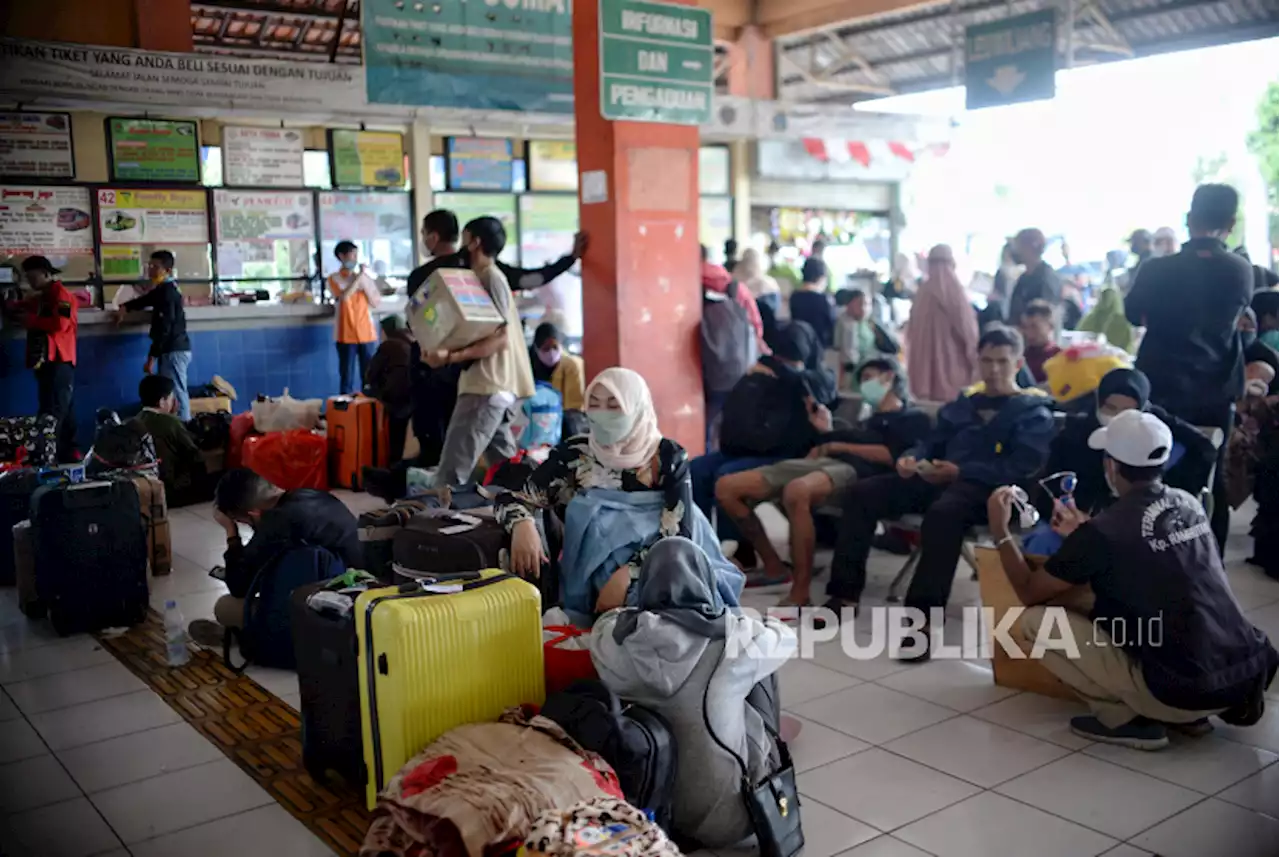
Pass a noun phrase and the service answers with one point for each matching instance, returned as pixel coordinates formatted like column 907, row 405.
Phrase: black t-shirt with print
column 898, row 430
column 1161, row 592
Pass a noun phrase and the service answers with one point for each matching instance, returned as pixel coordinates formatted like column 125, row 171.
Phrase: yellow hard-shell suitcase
column 430, row 661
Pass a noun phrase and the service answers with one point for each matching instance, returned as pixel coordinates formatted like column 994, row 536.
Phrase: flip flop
column 759, row 578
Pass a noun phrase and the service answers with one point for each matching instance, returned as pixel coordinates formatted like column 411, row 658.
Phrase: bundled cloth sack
column 29, row 441
column 601, row 826
column 285, row 413
column 289, row 459
column 122, row 448
column 479, row 788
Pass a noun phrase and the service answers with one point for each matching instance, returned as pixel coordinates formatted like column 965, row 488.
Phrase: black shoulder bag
column 773, row 804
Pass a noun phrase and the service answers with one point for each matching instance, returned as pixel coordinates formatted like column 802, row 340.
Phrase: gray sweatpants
column 478, row 426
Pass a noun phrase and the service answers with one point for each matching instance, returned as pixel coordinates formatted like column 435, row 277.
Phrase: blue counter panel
column 301, row 357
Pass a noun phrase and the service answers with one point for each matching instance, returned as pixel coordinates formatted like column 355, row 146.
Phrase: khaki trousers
column 1106, row 677
column 229, row 611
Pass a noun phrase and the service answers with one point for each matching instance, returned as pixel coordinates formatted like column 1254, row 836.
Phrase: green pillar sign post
column 656, row 62
column 1011, row 60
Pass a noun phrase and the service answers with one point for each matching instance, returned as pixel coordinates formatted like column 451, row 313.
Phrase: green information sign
column 1011, row 60
column 656, row 62
column 154, row 150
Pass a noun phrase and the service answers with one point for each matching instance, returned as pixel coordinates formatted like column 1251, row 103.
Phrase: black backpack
column 635, row 741
column 210, row 431
column 729, row 346
column 764, row 415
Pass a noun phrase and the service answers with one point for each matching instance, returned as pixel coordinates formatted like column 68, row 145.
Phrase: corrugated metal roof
column 914, row 50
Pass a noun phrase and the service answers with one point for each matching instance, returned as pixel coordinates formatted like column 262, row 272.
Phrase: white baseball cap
column 1136, row 438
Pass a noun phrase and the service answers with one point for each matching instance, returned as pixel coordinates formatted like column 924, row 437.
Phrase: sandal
column 759, row 578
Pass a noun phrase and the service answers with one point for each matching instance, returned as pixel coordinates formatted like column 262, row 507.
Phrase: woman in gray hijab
column 680, row 645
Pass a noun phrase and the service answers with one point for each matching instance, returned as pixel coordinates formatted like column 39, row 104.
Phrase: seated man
column 280, row 520
column 1036, row 325
column 1165, row 641
column 839, row 458
column 181, row 467
column 992, row 435
column 860, row 337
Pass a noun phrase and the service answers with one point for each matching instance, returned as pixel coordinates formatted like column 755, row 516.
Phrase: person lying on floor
column 992, row 435
column 1165, row 644
column 1190, row 461
column 280, row 520
column 839, row 458
column 181, row 468
column 620, row 488
column 670, row 651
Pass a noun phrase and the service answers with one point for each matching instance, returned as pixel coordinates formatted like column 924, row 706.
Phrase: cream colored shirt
column 507, row 371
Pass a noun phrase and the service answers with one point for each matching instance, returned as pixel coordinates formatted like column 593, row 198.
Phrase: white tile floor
column 893, row 761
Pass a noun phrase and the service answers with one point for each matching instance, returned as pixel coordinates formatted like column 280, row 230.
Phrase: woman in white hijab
column 620, row 488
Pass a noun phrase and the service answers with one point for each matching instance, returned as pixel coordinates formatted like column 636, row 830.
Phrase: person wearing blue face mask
column 552, row 365
column 619, row 489
column 838, row 458
column 355, row 294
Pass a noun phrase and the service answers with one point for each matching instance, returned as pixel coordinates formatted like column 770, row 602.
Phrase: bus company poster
column 364, row 216
column 154, row 150
column 489, row 54
column 553, row 165
column 36, row 145
column 262, row 157
column 479, row 163
column 366, row 158
column 152, row 216
column 45, row 221
column 251, row 216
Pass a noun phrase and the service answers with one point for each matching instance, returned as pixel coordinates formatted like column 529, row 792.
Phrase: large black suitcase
column 90, row 555
column 16, row 488
column 328, row 681
column 443, row 544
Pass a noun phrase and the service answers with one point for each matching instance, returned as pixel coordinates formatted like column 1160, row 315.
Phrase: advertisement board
column 130, row 216
column 366, row 158
column 262, row 157
column 36, row 145
column 153, row 150
column 263, row 234
column 553, row 165
column 45, row 221
column 479, row 163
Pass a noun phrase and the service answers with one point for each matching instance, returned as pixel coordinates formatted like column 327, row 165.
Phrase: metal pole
column 1071, row 33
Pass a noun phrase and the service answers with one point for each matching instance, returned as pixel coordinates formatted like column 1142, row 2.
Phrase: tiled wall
column 265, row 360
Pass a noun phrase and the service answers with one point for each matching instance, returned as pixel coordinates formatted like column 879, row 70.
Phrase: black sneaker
column 836, row 606
column 1194, row 729
column 1138, row 734
column 207, row 633
column 923, row 655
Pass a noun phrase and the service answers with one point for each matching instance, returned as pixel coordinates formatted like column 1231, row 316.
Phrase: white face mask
column 609, row 427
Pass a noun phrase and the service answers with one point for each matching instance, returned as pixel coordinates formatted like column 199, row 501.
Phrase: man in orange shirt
column 356, row 294
column 51, row 349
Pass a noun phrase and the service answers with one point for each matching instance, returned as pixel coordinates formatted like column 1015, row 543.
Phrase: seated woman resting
column 619, row 488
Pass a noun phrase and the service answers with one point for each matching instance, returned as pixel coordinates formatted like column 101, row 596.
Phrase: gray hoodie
column 664, row 666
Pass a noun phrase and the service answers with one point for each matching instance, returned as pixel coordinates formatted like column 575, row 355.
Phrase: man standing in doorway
column 356, row 294
column 170, row 352
column 51, row 349
column 496, row 373
column 1190, row 303
column 1038, row 281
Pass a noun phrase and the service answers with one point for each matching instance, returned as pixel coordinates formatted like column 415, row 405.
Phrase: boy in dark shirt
column 170, row 353
column 181, row 467
column 1165, row 641
column 811, row 304
column 838, row 459
column 280, row 520
column 992, row 435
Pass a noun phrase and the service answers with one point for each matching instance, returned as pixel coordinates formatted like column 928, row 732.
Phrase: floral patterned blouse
column 572, row 467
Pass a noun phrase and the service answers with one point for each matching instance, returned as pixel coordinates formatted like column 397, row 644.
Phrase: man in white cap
column 1165, row 643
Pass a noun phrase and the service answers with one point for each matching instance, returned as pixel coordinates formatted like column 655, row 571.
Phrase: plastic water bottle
column 175, row 635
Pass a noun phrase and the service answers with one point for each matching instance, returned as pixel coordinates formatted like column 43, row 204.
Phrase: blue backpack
column 545, row 414
column 267, row 635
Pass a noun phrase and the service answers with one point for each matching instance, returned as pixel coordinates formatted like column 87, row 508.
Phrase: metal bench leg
column 904, row 577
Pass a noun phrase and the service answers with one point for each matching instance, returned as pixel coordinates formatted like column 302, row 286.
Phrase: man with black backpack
column 730, row 343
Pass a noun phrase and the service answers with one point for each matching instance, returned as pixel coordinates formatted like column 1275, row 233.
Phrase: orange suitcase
column 358, row 437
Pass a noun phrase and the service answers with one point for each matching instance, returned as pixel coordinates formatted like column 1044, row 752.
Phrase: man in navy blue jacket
column 995, row 434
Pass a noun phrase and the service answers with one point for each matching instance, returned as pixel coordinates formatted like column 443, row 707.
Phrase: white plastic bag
column 286, row 413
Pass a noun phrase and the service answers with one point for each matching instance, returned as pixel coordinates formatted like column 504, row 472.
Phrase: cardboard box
column 452, row 311
column 211, row 405
column 155, row 517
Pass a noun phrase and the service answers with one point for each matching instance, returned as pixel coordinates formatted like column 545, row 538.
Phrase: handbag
column 773, row 804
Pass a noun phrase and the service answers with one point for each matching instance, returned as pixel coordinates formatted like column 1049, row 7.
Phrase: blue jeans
column 174, row 367
column 703, row 473
column 349, row 353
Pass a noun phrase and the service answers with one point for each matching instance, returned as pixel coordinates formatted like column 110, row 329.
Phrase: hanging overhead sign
column 510, row 55
column 1011, row 60
column 262, row 157
column 36, row 145
column 656, row 62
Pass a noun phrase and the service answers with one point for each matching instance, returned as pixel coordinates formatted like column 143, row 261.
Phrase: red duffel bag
column 565, row 657
column 289, row 459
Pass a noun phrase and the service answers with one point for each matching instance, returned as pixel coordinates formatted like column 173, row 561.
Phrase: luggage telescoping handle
column 81, row 494
column 411, row 586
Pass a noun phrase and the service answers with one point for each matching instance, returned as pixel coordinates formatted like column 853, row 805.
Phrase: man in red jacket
column 51, row 348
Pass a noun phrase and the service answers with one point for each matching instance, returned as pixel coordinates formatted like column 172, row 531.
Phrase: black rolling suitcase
column 328, row 680
column 90, row 555
column 16, row 488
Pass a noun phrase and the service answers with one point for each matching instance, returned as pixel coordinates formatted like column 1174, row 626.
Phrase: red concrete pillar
column 751, row 65
column 642, row 293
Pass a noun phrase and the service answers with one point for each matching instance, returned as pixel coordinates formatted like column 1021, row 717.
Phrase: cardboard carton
column 452, row 311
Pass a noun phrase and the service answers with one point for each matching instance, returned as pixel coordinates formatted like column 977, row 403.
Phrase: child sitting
column 181, row 467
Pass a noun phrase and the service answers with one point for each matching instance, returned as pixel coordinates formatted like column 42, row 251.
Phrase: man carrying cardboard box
column 496, row 369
